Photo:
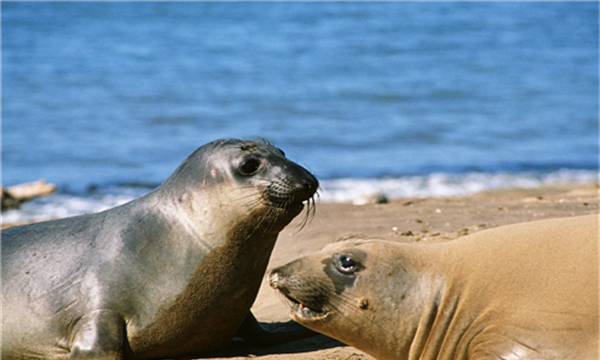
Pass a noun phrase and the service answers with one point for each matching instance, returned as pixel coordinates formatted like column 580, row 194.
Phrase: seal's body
column 525, row 291
column 171, row 274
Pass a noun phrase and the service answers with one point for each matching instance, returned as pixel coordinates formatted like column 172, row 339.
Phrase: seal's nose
column 274, row 279
column 307, row 185
column 292, row 184
column 278, row 281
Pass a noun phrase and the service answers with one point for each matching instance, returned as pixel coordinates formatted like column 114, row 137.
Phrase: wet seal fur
column 171, row 274
column 525, row 291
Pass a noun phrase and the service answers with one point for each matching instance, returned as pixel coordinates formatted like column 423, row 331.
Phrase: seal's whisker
column 301, row 225
column 269, row 214
column 309, row 215
column 253, row 205
column 263, row 217
column 310, row 208
column 253, row 192
column 256, row 183
column 314, row 208
column 250, row 207
column 251, row 195
column 284, row 299
column 349, row 303
column 250, row 203
column 304, row 219
column 318, row 192
column 259, row 221
column 244, row 188
column 356, row 324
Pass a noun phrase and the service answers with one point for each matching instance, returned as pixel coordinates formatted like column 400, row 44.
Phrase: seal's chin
column 288, row 210
column 285, row 205
column 302, row 313
column 296, row 207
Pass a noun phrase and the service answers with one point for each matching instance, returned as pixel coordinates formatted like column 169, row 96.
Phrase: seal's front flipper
column 252, row 332
column 99, row 335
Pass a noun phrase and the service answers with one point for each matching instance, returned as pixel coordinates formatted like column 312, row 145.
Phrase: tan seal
column 525, row 291
column 171, row 274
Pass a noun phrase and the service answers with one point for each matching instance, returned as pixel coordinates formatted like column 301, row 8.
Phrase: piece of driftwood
column 13, row 196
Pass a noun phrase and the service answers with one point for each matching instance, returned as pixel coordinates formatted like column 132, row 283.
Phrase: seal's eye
column 346, row 264
column 250, row 167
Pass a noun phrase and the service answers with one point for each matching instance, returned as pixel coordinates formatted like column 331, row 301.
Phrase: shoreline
column 372, row 198
column 73, row 200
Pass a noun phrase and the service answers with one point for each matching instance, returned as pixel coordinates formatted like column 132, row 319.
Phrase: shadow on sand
column 314, row 343
column 248, row 349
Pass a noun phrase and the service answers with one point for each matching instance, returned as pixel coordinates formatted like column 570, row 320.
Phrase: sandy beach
column 403, row 220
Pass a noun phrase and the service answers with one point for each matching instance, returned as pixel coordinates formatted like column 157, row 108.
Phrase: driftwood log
column 13, row 196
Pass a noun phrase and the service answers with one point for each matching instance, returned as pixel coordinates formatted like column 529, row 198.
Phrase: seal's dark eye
column 346, row 264
column 250, row 167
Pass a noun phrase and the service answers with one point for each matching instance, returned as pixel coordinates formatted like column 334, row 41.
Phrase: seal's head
column 252, row 182
column 356, row 291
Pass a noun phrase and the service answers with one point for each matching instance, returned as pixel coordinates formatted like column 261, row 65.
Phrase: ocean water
column 105, row 99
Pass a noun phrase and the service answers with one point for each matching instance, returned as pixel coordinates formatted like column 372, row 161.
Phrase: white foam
column 62, row 205
column 439, row 185
column 338, row 190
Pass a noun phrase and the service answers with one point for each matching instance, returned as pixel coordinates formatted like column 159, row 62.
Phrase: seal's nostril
column 310, row 184
column 274, row 279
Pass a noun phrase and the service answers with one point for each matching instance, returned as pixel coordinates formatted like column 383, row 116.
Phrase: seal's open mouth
column 305, row 305
column 302, row 311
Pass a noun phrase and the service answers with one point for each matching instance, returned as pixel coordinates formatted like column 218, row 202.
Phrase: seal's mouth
column 286, row 205
column 294, row 208
column 285, row 209
column 292, row 194
column 287, row 202
column 306, row 302
column 302, row 312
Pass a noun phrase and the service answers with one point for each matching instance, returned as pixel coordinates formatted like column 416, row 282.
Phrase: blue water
column 116, row 94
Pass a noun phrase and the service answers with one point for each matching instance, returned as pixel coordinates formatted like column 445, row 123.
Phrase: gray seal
column 522, row 292
column 171, row 274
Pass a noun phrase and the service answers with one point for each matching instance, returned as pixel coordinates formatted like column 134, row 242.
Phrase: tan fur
column 525, row 291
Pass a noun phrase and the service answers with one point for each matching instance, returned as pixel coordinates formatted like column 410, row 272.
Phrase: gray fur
column 171, row 274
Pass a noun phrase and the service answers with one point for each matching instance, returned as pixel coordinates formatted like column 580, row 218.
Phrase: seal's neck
column 443, row 328
column 427, row 313
column 417, row 321
column 437, row 313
